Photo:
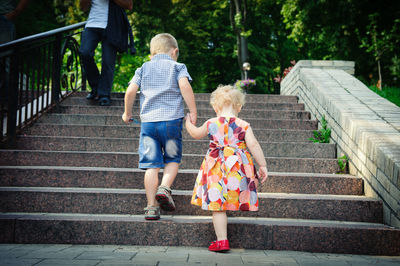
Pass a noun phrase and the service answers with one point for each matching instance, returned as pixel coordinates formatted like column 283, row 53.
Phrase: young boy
column 162, row 82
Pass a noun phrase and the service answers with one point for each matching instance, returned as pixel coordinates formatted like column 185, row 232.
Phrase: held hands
column 191, row 118
column 263, row 173
column 127, row 118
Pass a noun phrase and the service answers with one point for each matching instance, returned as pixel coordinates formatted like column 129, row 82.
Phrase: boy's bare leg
column 170, row 172
column 220, row 221
column 151, row 185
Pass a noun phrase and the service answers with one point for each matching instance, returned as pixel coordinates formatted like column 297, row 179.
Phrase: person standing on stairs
column 107, row 23
column 164, row 84
column 227, row 179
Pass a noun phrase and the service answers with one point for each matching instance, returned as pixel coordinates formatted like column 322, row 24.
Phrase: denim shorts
column 160, row 143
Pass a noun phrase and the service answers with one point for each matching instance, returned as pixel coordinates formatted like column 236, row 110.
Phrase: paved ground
column 16, row 254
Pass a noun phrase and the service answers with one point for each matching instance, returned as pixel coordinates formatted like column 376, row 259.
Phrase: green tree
column 238, row 19
column 379, row 42
column 207, row 40
column 334, row 29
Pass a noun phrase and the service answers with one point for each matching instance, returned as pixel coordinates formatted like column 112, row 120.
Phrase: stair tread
column 186, row 140
column 189, row 171
column 67, row 105
column 199, row 117
column 263, row 195
column 194, row 219
column 135, row 153
column 45, row 124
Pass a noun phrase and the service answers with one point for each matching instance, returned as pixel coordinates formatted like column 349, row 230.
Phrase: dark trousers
column 101, row 83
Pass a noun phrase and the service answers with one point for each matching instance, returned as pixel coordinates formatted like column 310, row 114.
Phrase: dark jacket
column 118, row 29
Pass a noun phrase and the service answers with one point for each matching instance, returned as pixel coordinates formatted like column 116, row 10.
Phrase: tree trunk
column 379, row 85
column 241, row 44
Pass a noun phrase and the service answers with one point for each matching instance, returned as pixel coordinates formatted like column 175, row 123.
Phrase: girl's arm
column 130, row 96
column 256, row 151
column 195, row 132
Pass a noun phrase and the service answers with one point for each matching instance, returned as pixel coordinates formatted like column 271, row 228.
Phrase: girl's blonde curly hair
column 226, row 95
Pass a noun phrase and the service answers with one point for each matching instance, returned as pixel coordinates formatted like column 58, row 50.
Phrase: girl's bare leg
column 220, row 221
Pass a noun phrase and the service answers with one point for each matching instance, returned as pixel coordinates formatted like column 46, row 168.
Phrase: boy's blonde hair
column 162, row 43
column 226, row 95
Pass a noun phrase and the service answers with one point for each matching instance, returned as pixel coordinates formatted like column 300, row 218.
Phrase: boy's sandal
column 152, row 213
column 164, row 198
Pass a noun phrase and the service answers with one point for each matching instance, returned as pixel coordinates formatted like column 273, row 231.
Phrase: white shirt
column 98, row 15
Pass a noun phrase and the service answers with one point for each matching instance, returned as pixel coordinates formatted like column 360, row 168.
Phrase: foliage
column 379, row 42
column 125, row 69
column 27, row 23
column 68, row 12
column 206, row 42
column 334, row 29
column 277, row 31
column 343, row 162
column 390, row 93
column 245, row 84
column 322, row 135
column 238, row 18
column 278, row 78
column 205, row 36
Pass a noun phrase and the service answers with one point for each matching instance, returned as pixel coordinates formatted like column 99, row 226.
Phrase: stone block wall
column 365, row 126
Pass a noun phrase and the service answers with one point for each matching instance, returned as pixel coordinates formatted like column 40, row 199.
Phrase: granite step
column 291, row 105
column 127, row 160
column 132, row 201
column 271, row 149
column 90, row 119
column 133, row 130
column 97, row 177
column 202, row 112
column 243, row 232
column 250, row 98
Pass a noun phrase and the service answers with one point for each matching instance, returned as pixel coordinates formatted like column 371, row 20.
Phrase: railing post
column 13, row 99
column 56, row 79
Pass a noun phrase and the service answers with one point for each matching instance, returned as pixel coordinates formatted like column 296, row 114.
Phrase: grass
column 390, row 93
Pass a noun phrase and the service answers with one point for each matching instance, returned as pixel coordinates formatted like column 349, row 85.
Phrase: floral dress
column 227, row 178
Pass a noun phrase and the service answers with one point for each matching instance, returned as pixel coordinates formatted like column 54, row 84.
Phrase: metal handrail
column 41, row 35
column 36, row 73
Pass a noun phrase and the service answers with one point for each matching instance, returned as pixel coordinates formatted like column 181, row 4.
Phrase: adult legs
column 89, row 41
column 107, row 68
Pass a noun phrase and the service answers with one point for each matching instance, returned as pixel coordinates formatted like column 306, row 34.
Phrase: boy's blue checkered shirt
column 160, row 96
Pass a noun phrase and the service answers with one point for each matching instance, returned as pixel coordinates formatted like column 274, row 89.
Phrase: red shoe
column 219, row 246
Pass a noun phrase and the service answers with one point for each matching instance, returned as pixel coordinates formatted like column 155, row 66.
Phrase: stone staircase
column 73, row 178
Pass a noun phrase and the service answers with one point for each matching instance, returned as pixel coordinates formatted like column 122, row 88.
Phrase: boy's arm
column 130, row 97
column 188, row 96
column 195, row 132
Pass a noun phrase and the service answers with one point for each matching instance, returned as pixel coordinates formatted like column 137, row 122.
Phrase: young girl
column 227, row 179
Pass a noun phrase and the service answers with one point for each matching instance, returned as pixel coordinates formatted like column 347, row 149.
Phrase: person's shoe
column 164, row 198
column 152, row 213
column 92, row 96
column 219, row 246
column 104, row 101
